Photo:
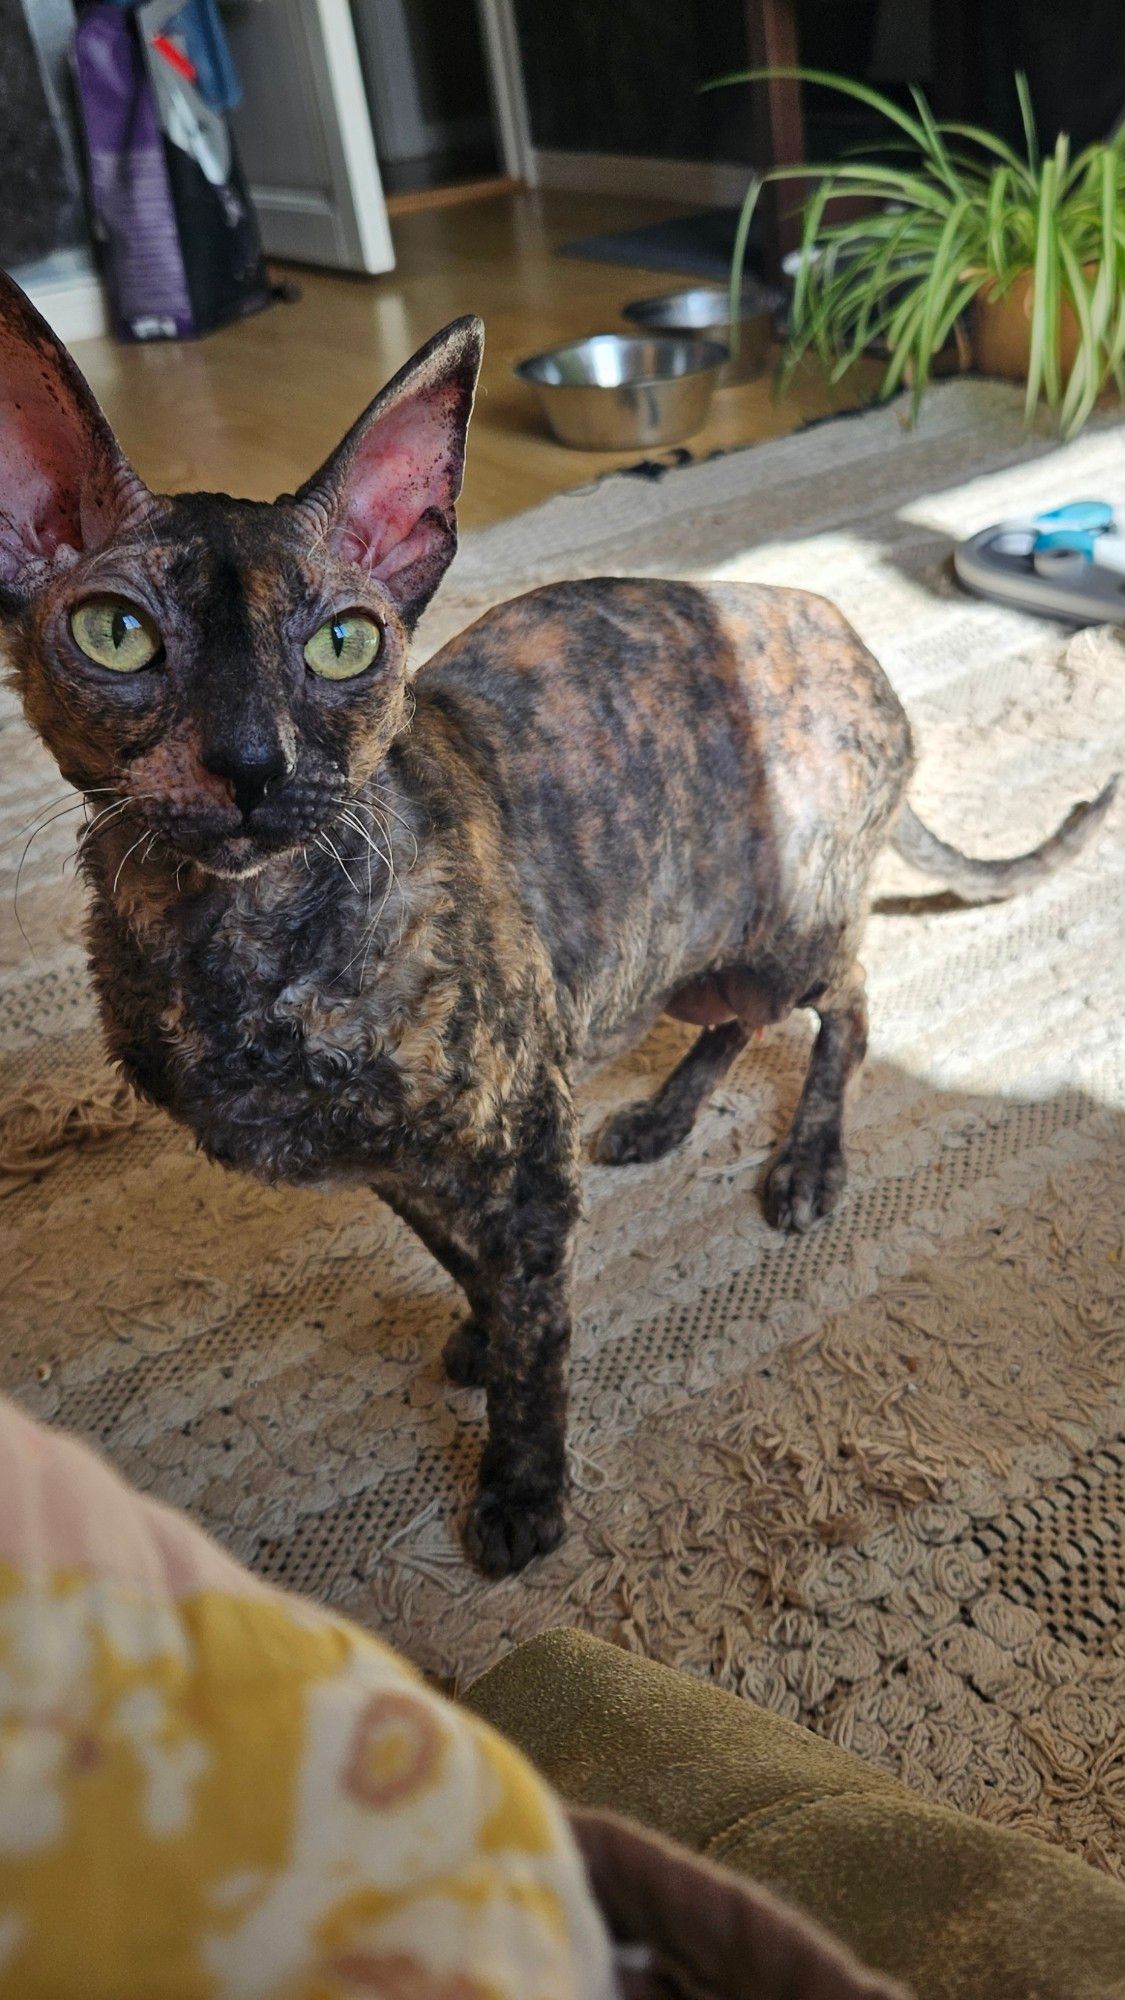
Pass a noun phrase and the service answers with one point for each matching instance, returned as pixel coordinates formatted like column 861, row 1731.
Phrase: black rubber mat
column 696, row 246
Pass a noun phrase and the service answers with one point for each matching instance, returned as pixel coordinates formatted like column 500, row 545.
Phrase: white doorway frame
column 509, row 97
column 351, row 139
column 339, row 218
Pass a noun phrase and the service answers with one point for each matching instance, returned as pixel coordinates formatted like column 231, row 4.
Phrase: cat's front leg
column 465, row 1353
column 524, row 1301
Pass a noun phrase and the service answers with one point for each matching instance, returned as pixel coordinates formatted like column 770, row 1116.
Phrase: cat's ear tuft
column 65, row 485
column 387, row 496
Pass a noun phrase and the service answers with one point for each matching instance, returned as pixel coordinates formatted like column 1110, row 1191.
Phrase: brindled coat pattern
column 350, row 923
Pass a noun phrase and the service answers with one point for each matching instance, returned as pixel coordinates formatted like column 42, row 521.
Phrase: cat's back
column 597, row 713
column 653, row 753
column 638, row 682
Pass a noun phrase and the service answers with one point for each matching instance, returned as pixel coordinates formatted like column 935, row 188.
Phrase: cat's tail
column 990, row 881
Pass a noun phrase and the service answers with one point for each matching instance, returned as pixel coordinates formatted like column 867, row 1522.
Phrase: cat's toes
column 805, row 1182
column 465, row 1355
column 637, row 1133
column 505, row 1530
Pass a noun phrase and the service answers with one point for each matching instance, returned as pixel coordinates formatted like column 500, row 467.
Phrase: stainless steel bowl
column 618, row 391
column 704, row 314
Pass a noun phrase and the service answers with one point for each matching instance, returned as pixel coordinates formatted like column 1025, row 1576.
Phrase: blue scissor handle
column 1089, row 517
column 1069, row 541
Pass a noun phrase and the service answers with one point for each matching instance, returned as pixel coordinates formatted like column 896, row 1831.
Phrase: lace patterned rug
column 875, row 1477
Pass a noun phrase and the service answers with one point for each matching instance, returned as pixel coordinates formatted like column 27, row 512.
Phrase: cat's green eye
column 344, row 646
column 115, row 634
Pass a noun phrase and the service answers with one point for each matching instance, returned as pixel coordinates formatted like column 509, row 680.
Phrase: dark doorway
column 427, row 87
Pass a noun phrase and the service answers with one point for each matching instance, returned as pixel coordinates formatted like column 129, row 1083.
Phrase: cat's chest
column 284, row 1063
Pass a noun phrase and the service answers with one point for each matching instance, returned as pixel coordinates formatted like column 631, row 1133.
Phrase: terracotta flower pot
column 1001, row 330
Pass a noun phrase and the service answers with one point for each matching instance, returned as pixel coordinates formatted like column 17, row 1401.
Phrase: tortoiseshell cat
column 352, row 925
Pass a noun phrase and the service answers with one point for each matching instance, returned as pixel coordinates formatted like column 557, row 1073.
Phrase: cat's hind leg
column 654, row 1125
column 807, row 1177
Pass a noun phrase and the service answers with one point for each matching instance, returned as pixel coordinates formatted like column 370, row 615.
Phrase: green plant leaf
column 1106, row 284
column 936, row 150
column 944, row 276
column 1027, row 116
column 996, row 218
column 847, row 85
column 989, row 143
column 738, row 258
column 1081, row 391
column 1043, row 356
column 954, row 210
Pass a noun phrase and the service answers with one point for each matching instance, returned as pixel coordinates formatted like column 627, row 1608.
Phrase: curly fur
column 388, row 960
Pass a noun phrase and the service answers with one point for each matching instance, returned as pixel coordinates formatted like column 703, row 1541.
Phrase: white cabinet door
column 304, row 133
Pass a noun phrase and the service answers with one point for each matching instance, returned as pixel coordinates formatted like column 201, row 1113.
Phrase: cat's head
column 236, row 669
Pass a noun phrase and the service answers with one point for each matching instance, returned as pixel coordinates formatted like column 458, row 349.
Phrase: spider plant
column 956, row 217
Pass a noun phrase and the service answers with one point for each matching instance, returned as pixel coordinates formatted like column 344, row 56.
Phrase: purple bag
column 170, row 203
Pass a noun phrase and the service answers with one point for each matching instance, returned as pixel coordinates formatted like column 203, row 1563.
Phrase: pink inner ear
column 59, row 465
column 40, row 484
column 406, row 466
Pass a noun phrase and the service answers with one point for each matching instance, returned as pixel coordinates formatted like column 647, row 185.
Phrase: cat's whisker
column 384, row 854
column 62, row 799
column 369, row 933
column 123, row 860
column 47, row 814
column 33, row 828
column 366, row 939
column 99, row 823
column 16, row 903
column 373, row 927
column 387, row 855
column 330, row 847
column 77, row 794
column 105, row 817
column 28, row 845
column 377, row 812
column 358, row 827
column 346, row 817
column 74, row 806
column 371, row 849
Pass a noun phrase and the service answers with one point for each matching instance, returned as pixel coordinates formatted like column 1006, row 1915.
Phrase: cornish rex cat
column 350, row 923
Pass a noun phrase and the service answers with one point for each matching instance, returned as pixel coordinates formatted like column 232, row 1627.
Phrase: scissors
column 1066, row 538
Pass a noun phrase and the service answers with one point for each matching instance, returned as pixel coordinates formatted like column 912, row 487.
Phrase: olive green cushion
column 957, row 1908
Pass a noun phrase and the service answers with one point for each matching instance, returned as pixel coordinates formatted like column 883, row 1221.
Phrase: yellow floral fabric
column 212, row 1791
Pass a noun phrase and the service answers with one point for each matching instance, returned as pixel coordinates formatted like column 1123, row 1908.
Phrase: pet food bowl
column 704, row 314
column 621, row 391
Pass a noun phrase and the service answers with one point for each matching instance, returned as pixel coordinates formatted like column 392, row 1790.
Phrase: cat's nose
column 250, row 768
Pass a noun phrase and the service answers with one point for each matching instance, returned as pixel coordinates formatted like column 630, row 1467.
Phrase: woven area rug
column 873, row 1478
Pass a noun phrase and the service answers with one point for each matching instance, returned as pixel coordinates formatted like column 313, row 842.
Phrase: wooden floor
column 254, row 408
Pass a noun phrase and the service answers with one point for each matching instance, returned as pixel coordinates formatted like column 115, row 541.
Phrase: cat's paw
column 505, row 1530
column 639, row 1132
column 805, row 1182
column 465, row 1355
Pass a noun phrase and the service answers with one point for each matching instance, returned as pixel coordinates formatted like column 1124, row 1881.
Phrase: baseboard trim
column 417, row 200
column 67, row 291
column 706, row 181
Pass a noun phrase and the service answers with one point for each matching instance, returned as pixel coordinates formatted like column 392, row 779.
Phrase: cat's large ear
column 386, row 498
column 65, row 484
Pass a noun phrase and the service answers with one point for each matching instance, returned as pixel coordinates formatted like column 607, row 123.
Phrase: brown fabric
column 957, row 1909
column 873, row 1478
column 701, row 1932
